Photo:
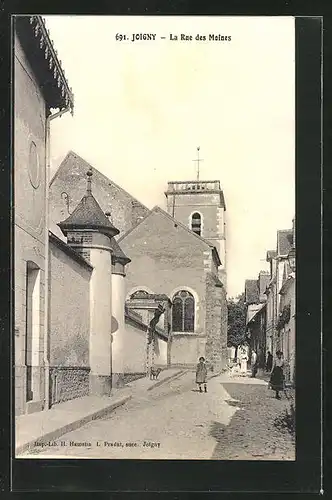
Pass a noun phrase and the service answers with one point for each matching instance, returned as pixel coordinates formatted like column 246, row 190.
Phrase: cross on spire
column 198, row 159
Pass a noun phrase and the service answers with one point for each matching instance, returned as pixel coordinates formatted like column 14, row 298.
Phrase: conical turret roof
column 88, row 215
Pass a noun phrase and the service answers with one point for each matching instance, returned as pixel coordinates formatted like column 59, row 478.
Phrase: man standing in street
column 253, row 364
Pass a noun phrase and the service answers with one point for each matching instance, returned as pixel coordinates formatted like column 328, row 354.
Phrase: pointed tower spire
column 88, row 215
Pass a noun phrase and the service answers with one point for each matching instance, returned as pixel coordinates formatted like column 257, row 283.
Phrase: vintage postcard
column 154, row 198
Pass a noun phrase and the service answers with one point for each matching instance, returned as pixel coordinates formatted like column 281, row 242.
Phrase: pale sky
column 142, row 108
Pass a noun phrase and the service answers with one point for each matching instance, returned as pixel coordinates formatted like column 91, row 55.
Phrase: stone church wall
column 71, row 180
column 216, row 324
column 186, row 349
column 164, row 259
column 69, row 324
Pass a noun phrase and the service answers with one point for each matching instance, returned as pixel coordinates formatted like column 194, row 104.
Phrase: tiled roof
column 88, row 215
column 118, row 254
column 252, row 314
column 263, row 281
column 73, row 161
column 284, row 241
column 251, row 292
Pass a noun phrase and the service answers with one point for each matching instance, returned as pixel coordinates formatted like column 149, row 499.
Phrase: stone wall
column 166, row 258
column 216, row 324
column 69, row 309
column 130, row 377
column 135, row 352
column 186, row 349
column 68, row 382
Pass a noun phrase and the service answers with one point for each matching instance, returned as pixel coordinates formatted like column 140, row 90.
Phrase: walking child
column 201, row 374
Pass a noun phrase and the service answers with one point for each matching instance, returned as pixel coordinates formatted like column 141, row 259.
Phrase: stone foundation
column 130, row 377
column 68, row 383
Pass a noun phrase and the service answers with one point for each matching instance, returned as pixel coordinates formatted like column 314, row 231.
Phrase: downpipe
column 47, row 283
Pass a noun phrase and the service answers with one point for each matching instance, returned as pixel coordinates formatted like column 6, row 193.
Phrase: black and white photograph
column 154, row 237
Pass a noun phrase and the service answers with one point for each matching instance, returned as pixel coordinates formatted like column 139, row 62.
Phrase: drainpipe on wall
column 46, row 305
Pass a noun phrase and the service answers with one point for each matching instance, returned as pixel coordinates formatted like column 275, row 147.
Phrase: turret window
column 183, row 312
column 196, row 223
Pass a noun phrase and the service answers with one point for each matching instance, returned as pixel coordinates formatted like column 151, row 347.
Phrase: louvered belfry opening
column 196, row 223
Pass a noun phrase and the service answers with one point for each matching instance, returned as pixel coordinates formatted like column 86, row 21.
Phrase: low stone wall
column 130, row 377
column 68, row 383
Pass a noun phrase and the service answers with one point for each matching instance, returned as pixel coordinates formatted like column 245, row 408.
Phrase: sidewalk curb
column 167, row 379
column 72, row 426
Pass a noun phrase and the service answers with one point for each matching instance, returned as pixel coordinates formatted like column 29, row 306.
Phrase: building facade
column 271, row 305
column 200, row 205
column 39, row 86
column 176, row 256
column 85, row 255
column 68, row 185
column 73, row 335
column 278, row 260
column 256, row 318
column 172, row 256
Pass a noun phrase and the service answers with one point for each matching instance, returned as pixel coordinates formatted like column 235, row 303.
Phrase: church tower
column 200, row 205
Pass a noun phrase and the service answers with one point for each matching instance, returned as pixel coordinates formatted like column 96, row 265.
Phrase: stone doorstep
column 76, row 419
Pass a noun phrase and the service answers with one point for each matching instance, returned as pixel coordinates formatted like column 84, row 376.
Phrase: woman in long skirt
column 243, row 360
column 277, row 374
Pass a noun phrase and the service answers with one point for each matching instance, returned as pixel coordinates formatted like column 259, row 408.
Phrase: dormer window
column 196, row 223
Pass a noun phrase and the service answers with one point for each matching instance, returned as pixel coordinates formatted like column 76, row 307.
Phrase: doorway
column 32, row 331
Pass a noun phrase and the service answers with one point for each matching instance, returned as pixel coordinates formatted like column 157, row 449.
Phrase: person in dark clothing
column 269, row 361
column 277, row 374
column 254, row 366
column 201, row 374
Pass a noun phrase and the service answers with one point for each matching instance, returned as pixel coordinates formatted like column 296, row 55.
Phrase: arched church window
column 183, row 312
column 196, row 223
column 139, row 294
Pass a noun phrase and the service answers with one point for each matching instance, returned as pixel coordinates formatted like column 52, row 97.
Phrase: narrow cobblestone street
column 234, row 420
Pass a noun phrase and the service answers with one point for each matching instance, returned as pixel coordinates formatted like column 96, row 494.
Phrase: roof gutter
column 47, row 280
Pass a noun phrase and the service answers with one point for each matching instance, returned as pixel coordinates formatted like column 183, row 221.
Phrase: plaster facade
column 29, row 233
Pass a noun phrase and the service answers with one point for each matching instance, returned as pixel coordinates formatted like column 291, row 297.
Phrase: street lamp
column 292, row 259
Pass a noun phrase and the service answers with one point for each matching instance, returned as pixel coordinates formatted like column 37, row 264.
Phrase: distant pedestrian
column 277, row 374
column 243, row 360
column 253, row 363
column 201, row 374
column 269, row 361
